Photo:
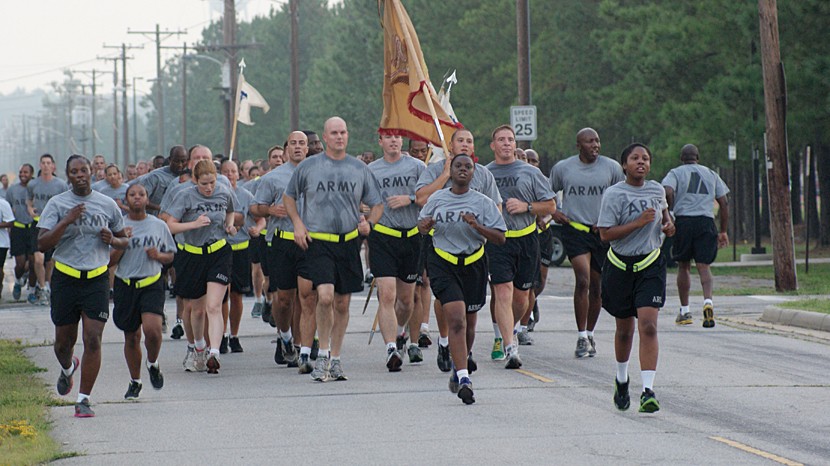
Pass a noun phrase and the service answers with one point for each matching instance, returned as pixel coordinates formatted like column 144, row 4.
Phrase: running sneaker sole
column 213, row 365
column 83, row 410
column 61, row 377
column 650, row 406
column 465, row 393
column 708, row 317
column 394, row 363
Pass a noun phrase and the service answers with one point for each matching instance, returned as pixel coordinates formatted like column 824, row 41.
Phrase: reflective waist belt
column 580, row 227
column 263, row 232
column 519, row 233
column 240, row 246
column 143, row 282
column 23, row 225
column 334, row 237
column 288, row 235
column 455, row 260
column 37, row 219
column 209, row 249
column 396, row 233
column 83, row 274
column 637, row 266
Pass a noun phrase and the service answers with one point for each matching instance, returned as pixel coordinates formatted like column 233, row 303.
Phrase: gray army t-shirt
column 623, row 203
column 188, row 204
column 396, row 179
column 245, row 199
column 482, row 181
column 148, row 233
column 106, row 189
column 81, row 246
column 40, row 191
column 269, row 190
column 16, row 196
column 695, row 189
column 583, row 184
column 524, row 182
column 333, row 191
column 156, row 183
column 452, row 233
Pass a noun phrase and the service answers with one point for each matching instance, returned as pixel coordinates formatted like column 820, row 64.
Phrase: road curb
column 795, row 318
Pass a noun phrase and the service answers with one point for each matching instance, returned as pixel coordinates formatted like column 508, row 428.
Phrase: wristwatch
column 529, row 207
column 411, row 198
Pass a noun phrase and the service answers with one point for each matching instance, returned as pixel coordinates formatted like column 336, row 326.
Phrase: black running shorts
column 241, row 271
column 198, row 269
column 695, row 238
column 623, row 292
column 333, row 263
column 284, row 257
column 578, row 243
column 72, row 296
column 23, row 241
column 466, row 283
column 394, row 257
column 545, row 246
column 517, row 261
column 129, row 303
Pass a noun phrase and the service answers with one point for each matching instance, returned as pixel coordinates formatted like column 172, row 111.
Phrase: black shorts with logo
column 577, row 243
column 129, row 303
column 339, row 264
column 517, row 260
column 394, row 257
column 241, row 270
column 545, row 246
column 695, row 238
column 194, row 271
column 72, row 296
column 466, row 283
column 624, row 291
column 284, row 257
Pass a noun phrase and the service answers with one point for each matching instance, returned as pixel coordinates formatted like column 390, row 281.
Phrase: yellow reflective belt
column 289, row 235
column 143, row 282
column 263, row 232
column 37, row 219
column 240, row 246
column 75, row 273
column 580, row 227
column 22, row 225
column 396, row 233
column 432, row 232
column 636, row 267
column 210, row 249
column 453, row 259
column 519, row 233
column 334, row 237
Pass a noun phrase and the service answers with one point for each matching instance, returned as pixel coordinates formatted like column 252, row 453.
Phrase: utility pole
column 94, row 73
column 125, row 134
column 114, row 106
column 159, row 79
column 775, row 106
column 523, row 45
column 295, row 68
column 135, row 124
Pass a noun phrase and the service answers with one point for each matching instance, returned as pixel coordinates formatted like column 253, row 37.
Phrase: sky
column 40, row 38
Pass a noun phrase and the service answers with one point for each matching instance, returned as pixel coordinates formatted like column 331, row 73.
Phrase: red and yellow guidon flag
column 406, row 85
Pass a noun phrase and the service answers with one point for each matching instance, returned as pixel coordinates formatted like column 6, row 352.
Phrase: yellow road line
column 755, row 451
column 534, row 376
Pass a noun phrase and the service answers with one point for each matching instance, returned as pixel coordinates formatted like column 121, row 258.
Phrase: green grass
column 817, row 281
column 812, row 305
column 725, row 254
column 24, row 422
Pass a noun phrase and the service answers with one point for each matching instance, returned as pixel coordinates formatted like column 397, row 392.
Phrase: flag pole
column 421, row 78
column 236, row 107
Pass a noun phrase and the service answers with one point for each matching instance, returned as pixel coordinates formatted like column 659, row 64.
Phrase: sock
column 323, row 353
column 234, row 336
column 707, row 301
column 684, row 309
column 152, row 364
column 648, row 379
column 306, row 350
column 496, row 330
column 517, row 327
column 286, row 336
column 583, row 334
column 391, row 346
column 424, row 328
column 523, row 328
column 136, row 380
column 214, row 351
column 227, row 335
column 201, row 344
column 68, row 371
column 191, row 346
column 259, row 299
column 622, row 372
column 444, row 341
column 463, row 373
column 590, row 333
column 179, row 321
column 401, row 330
column 82, row 397
column 510, row 349
column 335, row 358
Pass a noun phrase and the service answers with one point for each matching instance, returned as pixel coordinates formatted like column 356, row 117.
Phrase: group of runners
column 293, row 236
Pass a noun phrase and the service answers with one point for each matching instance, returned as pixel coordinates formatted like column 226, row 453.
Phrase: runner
column 633, row 216
column 41, row 189
column 464, row 220
column 6, row 223
column 81, row 225
column 692, row 190
column 394, row 248
column 582, row 179
column 23, row 234
column 513, row 265
column 113, row 187
column 420, row 150
column 157, row 181
column 139, row 290
column 333, row 184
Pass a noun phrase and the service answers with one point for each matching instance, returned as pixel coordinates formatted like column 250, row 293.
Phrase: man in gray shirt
column 333, row 185
column 23, row 234
column 41, row 189
column 692, row 189
column 157, row 181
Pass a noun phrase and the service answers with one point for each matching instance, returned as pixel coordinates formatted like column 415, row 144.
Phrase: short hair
column 135, row 185
column 112, row 165
column 194, row 147
column 630, row 148
column 49, row 156
column 500, row 128
column 29, row 166
column 204, row 167
column 452, row 138
column 271, row 149
column 70, row 159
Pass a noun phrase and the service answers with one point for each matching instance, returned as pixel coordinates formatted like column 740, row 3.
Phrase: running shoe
column 368, row 277
column 415, row 354
column 453, row 384
column 424, row 340
column 18, row 288
column 321, row 370
column 524, row 338
column 621, row 398
column 444, row 359
column 708, row 316
column 336, row 371
column 266, row 314
column 315, row 349
column 535, row 313
column 290, row 353
column 234, row 345
column 582, row 345
column 256, row 311
column 223, row 347
column 304, row 366
column 213, row 364
column 189, row 362
column 201, row 360
column 471, row 363
column 156, row 377
column 33, row 296
column 592, row 350
column 498, row 350
column 400, row 341
column 648, row 402
column 683, row 318
column 393, row 360
column 531, row 325
column 465, row 391
column 65, row 381
column 133, row 390
column 43, row 298
column 178, row 330
column 279, row 353
column 513, row 359
column 82, row 409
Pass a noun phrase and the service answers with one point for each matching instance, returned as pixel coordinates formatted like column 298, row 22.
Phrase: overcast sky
column 40, row 38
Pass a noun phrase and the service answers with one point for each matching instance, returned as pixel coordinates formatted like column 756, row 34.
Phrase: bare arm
column 494, row 236
column 669, row 196
column 723, row 213
column 300, row 233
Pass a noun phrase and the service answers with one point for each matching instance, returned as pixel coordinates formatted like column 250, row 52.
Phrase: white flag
column 248, row 97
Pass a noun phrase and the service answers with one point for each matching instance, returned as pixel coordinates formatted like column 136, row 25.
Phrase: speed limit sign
column 523, row 121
